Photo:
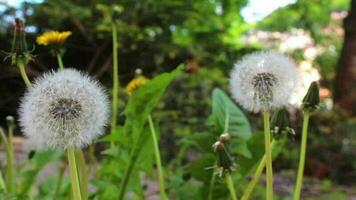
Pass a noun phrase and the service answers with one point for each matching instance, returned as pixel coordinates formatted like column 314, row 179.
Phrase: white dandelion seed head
column 64, row 109
column 263, row 80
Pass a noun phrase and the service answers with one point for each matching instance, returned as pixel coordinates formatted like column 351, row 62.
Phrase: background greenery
column 208, row 36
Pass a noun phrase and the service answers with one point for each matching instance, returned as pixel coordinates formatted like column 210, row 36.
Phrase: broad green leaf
column 238, row 123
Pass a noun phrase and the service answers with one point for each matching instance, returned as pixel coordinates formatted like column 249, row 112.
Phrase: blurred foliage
column 156, row 36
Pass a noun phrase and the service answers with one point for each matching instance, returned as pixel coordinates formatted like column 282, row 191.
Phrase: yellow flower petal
column 53, row 37
column 135, row 84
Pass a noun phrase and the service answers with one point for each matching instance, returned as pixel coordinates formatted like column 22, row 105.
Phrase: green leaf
column 134, row 136
column 238, row 123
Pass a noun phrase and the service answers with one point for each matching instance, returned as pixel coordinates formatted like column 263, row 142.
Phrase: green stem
column 268, row 153
column 115, row 92
column 256, row 177
column 10, row 160
column 230, row 185
column 59, row 59
column 211, row 186
column 158, row 160
column 24, row 75
column 303, row 149
column 59, row 183
column 128, row 171
column 83, row 173
column 4, row 140
column 9, row 178
column 74, row 174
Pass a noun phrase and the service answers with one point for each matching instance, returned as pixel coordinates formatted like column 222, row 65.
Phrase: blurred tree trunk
column 345, row 83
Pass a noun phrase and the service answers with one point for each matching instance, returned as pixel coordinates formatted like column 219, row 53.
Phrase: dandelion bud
column 225, row 162
column 263, row 81
column 10, row 121
column 280, row 123
column 225, row 138
column 311, row 99
column 64, row 109
column 20, row 54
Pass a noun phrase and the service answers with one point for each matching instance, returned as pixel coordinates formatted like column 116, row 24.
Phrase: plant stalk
column 261, row 166
column 3, row 185
column 230, row 185
column 60, row 61
column 74, row 174
column 298, row 185
column 115, row 92
column 268, row 153
column 128, row 171
column 59, row 183
column 83, row 173
column 211, row 186
column 158, row 160
column 24, row 75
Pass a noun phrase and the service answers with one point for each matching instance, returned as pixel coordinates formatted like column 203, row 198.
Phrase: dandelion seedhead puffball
column 64, row 109
column 263, row 81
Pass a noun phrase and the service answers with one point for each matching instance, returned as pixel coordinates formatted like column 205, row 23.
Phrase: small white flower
column 64, row 109
column 263, row 81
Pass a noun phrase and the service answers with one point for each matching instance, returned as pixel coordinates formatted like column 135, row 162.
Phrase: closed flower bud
column 225, row 162
column 20, row 54
column 280, row 123
column 225, row 138
column 311, row 100
column 10, row 121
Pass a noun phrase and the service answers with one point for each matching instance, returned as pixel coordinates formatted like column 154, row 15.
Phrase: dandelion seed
column 263, row 81
column 64, row 109
column 53, row 38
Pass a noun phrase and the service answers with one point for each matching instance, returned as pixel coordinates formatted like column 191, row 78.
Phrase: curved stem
column 158, row 160
column 211, row 186
column 59, row 59
column 303, row 149
column 74, row 174
column 256, row 177
column 231, row 187
column 115, row 91
column 24, row 75
column 268, row 155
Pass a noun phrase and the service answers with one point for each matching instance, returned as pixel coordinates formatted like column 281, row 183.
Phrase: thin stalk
column 303, row 150
column 59, row 59
column 128, row 171
column 268, row 153
column 2, row 183
column 59, row 183
column 83, row 173
column 9, row 178
column 74, row 174
column 256, row 177
column 10, row 161
column 158, row 160
column 231, row 187
column 4, row 140
column 211, row 186
column 115, row 91
column 24, row 75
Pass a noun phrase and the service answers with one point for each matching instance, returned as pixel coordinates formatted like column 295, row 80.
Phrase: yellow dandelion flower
column 53, row 38
column 135, row 84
